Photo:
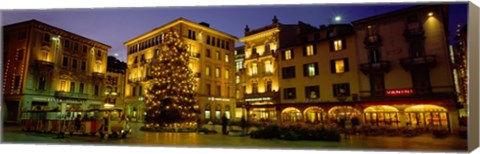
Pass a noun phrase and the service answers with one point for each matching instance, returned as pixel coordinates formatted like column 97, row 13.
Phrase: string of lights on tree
column 170, row 98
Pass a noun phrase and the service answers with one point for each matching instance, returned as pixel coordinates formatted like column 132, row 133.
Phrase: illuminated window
column 239, row 65
column 217, row 72
column 63, row 85
column 339, row 65
column 312, row 92
column 237, row 79
column 310, row 69
column 237, row 94
column 289, row 93
column 226, row 58
column 268, row 66
column 207, row 71
column 207, row 111
column 337, row 45
column 227, row 73
column 341, row 89
column 254, row 69
column 288, row 55
column 309, row 50
column 217, row 55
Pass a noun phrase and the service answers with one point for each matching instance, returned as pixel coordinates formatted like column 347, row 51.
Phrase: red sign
column 399, row 92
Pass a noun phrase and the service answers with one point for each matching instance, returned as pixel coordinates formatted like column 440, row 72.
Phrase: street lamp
column 338, row 18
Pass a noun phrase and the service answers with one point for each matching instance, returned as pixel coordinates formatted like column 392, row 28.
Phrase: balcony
column 45, row 65
column 70, row 94
column 266, row 96
column 136, row 80
column 372, row 40
column 413, row 62
column 98, row 76
column 382, row 66
column 411, row 33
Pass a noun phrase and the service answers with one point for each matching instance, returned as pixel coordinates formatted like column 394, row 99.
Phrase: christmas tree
column 170, row 97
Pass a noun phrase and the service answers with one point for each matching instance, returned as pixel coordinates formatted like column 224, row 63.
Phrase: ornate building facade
column 115, row 82
column 46, row 67
column 212, row 61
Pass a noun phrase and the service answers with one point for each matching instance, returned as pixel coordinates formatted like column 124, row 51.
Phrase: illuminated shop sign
column 65, row 100
column 218, row 99
column 399, row 92
column 258, row 99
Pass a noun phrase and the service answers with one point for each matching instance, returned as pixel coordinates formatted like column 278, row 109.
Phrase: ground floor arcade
column 435, row 113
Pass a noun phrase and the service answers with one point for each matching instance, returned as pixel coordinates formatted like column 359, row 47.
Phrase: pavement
column 425, row 143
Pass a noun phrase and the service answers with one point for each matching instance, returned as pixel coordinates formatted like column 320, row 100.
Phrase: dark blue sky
column 114, row 26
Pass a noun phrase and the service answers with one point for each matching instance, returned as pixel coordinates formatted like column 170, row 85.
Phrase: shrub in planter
column 271, row 131
column 330, row 135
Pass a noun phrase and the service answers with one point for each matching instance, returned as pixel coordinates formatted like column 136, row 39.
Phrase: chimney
column 204, row 24
column 247, row 29
column 274, row 20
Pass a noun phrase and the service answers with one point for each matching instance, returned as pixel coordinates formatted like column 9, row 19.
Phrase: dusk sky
column 114, row 26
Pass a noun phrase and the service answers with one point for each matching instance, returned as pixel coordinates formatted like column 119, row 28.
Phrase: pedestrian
column 224, row 124
column 78, row 123
column 243, row 125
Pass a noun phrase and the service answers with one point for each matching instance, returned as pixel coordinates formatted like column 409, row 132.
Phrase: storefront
column 427, row 116
column 381, row 115
column 291, row 114
column 315, row 115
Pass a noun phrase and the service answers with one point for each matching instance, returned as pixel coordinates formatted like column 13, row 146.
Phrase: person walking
column 243, row 125
column 224, row 124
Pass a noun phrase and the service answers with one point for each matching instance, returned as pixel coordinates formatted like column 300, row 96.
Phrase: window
column 75, row 47
column 208, row 40
column 310, row 69
column 66, row 44
column 207, row 71
column 289, row 93
column 74, row 64
column 338, row 45
column 208, row 89
column 213, row 41
column 63, row 85
column 99, row 53
column 16, row 84
column 65, row 62
column 134, row 92
column 219, row 91
column 227, row 74
column 288, row 54
column 339, row 65
column 46, row 38
column 41, row 83
column 371, row 30
column 142, row 58
column 237, row 80
column 217, row 55
column 239, row 65
column 207, row 111
column 309, row 50
column 97, row 89
column 268, row 66
column 254, row 69
column 269, row 86
column 140, row 91
column 330, row 33
column 191, row 34
column 218, row 42
column 84, row 49
column 84, row 65
column 341, row 89
column 72, row 87
column 80, row 88
column 312, row 92
column 208, row 53
column 217, row 72
column 316, row 36
column 223, row 44
column 254, row 87
column 226, row 58
column 254, row 50
column 288, row 72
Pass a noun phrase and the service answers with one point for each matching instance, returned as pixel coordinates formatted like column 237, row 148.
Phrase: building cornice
column 263, row 34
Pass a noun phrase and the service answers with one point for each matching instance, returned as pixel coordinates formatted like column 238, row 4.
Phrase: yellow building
column 45, row 66
column 261, row 76
column 406, row 77
column 319, row 75
column 212, row 61
column 115, row 82
column 240, row 85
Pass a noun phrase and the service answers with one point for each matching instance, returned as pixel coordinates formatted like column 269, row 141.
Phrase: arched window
column 291, row 114
column 315, row 114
